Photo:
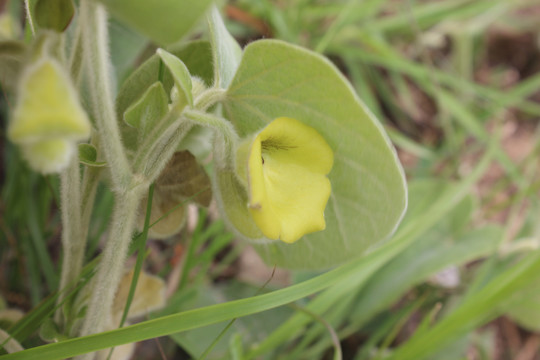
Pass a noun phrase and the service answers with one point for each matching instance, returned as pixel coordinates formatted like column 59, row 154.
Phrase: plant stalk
column 156, row 151
column 225, row 140
column 111, row 268
column 95, row 41
column 73, row 243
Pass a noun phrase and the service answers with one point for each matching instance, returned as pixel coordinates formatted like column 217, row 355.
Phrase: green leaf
column 196, row 55
column 148, row 110
column 180, row 73
column 54, row 14
column 165, row 21
column 88, row 156
column 369, row 196
column 227, row 53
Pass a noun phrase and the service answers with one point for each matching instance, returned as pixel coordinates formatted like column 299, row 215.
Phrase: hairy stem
column 226, row 137
column 160, row 144
column 95, row 38
column 73, row 243
column 158, row 147
column 111, row 268
column 209, row 98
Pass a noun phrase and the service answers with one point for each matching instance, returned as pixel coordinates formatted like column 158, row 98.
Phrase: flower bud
column 48, row 119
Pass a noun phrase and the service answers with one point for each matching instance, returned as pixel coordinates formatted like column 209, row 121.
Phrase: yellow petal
column 47, row 106
column 287, row 184
column 48, row 156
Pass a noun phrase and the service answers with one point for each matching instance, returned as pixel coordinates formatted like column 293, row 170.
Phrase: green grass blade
column 422, row 73
column 479, row 309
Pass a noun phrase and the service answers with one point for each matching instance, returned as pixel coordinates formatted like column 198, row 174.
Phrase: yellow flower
column 287, row 164
column 48, row 156
column 48, row 119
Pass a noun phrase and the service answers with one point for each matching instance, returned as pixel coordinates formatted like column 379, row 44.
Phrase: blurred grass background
column 456, row 83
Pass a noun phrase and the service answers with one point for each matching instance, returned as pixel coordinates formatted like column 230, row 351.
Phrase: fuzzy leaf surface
column 369, row 195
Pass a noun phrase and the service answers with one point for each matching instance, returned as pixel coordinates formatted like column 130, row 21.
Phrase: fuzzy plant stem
column 73, row 243
column 157, row 148
column 150, row 163
column 111, row 268
column 96, row 54
column 225, row 140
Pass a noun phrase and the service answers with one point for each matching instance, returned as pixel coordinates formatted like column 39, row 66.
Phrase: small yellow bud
column 48, row 119
column 47, row 106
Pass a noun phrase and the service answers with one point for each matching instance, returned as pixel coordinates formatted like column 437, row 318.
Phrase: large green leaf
column 164, row 21
column 369, row 195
